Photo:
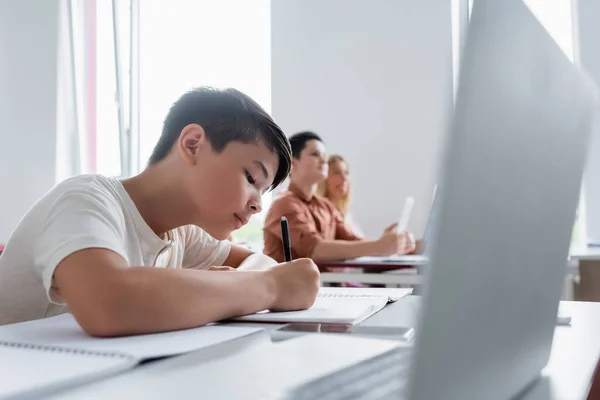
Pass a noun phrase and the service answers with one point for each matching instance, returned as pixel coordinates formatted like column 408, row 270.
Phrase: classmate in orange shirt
column 317, row 228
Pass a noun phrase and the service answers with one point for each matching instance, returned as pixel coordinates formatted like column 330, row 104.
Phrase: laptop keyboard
column 381, row 377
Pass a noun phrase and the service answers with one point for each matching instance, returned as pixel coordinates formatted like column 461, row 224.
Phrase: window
column 101, row 102
column 117, row 109
column 185, row 44
column 107, row 135
column 556, row 16
column 459, row 10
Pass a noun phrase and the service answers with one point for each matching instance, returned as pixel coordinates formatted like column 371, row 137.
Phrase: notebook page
column 24, row 371
column 392, row 293
column 327, row 309
column 64, row 331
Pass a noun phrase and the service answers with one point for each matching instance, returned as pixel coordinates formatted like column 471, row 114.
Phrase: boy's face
column 311, row 166
column 226, row 187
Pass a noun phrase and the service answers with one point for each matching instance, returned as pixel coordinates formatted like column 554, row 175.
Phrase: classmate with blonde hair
column 336, row 188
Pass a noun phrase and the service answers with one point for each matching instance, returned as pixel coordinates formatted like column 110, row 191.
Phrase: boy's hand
column 296, row 285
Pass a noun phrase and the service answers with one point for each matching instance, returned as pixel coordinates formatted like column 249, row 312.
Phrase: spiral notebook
column 336, row 306
column 43, row 356
column 30, row 371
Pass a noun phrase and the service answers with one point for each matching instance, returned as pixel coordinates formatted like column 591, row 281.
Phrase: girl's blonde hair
column 342, row 204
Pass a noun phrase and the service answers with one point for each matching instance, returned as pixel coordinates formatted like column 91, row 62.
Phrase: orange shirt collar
column 296, row 190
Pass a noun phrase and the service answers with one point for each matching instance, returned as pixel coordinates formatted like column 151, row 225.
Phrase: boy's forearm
column 148, row 300
column 328, row 250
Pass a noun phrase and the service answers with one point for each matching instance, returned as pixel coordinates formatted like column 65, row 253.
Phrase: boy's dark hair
column 226, row 115
column 298, row 141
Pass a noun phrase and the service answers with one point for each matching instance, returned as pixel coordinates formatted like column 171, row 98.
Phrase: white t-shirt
column 88, row 211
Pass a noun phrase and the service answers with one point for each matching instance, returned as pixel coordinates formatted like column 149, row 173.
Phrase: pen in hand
column 285, row 235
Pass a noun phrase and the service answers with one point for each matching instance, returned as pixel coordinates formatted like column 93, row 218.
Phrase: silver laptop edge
column 513, row 163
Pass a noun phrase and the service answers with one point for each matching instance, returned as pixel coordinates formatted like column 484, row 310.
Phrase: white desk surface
column 574, row 355
column 585, row 254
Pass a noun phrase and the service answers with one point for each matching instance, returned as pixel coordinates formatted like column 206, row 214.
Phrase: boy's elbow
column 99, row 321
column 101, row 316
column 98, row 327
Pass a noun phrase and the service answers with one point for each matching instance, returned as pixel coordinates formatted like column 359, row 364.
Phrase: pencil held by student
column 141, row 255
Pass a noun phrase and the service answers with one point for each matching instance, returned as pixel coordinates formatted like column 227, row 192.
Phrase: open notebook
column 336, row 305
column 39, row 357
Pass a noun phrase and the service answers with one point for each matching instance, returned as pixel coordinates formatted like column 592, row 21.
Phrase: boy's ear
column 294, row 163
column 191, row 141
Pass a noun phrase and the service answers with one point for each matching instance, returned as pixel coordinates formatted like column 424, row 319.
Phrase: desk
column 585, row 254
column 404, row 270
column 574, row 355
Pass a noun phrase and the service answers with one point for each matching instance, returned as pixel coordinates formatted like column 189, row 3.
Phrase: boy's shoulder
column 85, row 191
column 90, row 184
column 86, row 182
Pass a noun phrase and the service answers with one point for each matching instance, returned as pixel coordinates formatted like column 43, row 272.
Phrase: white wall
column 373, row 78
column 588, row 17
column 28, row 84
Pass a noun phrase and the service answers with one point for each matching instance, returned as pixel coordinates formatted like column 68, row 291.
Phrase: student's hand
column 392, row 242
column 391, row 228
column 296, row 285
column 408, row 243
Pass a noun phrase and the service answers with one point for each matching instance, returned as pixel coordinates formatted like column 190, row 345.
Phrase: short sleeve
column 202, row 250
column 79, row 219
column 304, row 236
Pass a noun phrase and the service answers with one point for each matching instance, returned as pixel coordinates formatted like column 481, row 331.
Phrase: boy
column 317, row 228
column 131, row 256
